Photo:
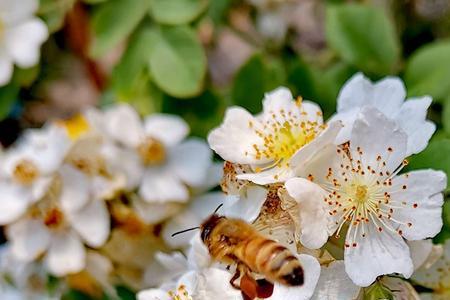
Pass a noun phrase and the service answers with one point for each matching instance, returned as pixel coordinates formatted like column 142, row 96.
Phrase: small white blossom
column 21, row 36
column 28, row 169
column 171, row 163
column 267, row 142
column 366, row 197
column 388, row 96
column 436, row 277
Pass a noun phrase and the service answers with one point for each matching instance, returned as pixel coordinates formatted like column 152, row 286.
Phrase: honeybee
column 235, row 241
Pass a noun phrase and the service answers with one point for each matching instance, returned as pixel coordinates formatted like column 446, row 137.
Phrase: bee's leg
column 264, row 288
column 236, row 276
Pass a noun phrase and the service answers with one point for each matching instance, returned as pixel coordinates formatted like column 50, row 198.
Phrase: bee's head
column 208, row 226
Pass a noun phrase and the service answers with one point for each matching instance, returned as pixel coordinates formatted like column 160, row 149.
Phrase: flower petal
column 123, row 124
column 377, row 254
column 311, row 268
column 92, row 223
column 196, row 212
column 14, row 202
column 419, row 193
column 29, row 239
column 160, row 185
column 168, row 129
column 75, row 188
column 6, row 68
column 335, row 284
column 153, row 294
column 248, row 206
column 66, row 254
column 211, row 283
column 420, row 251
column 273, row 175
column 370, row 126
column 190, row 161
column 12, row 11
column 234, row 139
column 412, row 119
column 387, row 95
column 313, row 221
column 154, row 213
column 23, row 41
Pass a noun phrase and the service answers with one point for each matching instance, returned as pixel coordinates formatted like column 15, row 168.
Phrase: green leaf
column 217, row 10
column 177, row 61
column 113, row 21
column 446, row 116
column 256, row 77
column 435, row 156
column 133, row 62
column 363, row 36
column 203, row 112
column 175, row 12
column 25, row 77
column 428, row 71
column 8, row 96
column 54, row 12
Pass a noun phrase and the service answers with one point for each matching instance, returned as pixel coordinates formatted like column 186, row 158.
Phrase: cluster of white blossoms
column 21, row 36
column 332, row 192
column 80, row 195
column 94, row 200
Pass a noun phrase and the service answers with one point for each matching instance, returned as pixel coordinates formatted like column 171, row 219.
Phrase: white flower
column 365, row 195
column 207, row 284
column 388, row 96
column 436, row 277
column 28, row 169
column 334, row 284
column 21, row 36
column 59, row 227
column 268, row 141
column 172, row 164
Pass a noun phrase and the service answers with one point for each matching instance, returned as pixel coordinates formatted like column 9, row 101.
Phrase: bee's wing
column 278, row 224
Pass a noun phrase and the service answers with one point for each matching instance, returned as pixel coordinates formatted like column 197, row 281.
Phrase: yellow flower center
column 361, row 193
column 152, row 152
column 84, row 282
column 180, row 294
column 25, row 172
column 75, row 126
column 2, row 29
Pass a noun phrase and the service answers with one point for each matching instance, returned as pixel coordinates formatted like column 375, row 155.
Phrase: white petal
column 6, row 68
column 433, row 277
column 23, row 42
column 75, row 188
column 14, row 202
column 377, row 254
column 168, row 129
column 387, row 95
column 212, row 283
column 307, row 152
column 160, row 185
column 248, row 206
column 412, row 119
column 401, row 289
column 347, row 118
column 29, row 239
column 153, row 213
column 213, row 177
column 334, row 284
column 196, row 212
column 273, row 175
column 12, row 11
column 234, row 139
column 153, row 294
column 311, row 268
column 313, row 211
column 370, row 126
column 190, row 161
column 198, row 254
column 92, row 223
column 66, row 254
column 175, row 261
column 276, row 101
column 40, row 187
column 124, row 125
column 421, row 202
column 420, row 251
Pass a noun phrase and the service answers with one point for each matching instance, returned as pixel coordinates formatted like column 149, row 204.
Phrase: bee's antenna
column 186, row 230
column 217, row 209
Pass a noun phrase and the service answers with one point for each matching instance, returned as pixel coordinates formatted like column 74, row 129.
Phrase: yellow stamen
column 25, row 172
column 75, row 126
column 152, row 152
